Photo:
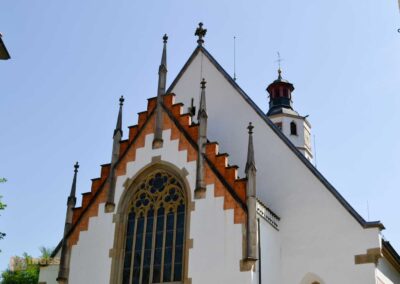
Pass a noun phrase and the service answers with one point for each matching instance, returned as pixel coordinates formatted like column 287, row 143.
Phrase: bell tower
column 295, row 127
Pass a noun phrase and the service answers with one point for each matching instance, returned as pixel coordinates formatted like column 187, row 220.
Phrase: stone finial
column 201, row 33
column 72, row 195
column 163, row 64
column 121, row 101
column 250, row 164
column 118, row 126
column 203, row 106
column 203, row 84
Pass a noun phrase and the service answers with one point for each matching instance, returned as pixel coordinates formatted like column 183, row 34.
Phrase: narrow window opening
column 293, row 128
column 286, row 93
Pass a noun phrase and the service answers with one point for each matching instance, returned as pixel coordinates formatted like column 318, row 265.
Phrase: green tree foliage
column 25, row 269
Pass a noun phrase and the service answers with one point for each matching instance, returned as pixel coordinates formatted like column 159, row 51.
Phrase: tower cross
column 200, row 32
column 279, row 60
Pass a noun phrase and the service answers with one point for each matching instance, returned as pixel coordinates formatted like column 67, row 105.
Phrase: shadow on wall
column 311, row 278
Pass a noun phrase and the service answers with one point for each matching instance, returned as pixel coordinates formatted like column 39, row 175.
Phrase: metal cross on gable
column 200, row 32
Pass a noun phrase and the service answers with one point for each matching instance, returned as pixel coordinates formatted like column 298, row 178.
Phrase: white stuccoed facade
column 317, row 238
column 217, row 241
column 317, row 235
column 302, row 140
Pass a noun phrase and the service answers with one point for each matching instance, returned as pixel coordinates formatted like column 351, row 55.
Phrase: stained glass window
column 155, row 232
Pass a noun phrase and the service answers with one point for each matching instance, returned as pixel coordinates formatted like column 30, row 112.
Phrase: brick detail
column 146, row 121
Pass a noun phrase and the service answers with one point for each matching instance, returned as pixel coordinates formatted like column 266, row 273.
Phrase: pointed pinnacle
column 250, row 163
column 71, row 197
column 118, row 126
column 163, row 64
column 202, row 107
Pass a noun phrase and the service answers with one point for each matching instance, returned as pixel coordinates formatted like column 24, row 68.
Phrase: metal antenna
column 399, row 10
column 315, row 153
column 234, row 58
column 368, row 210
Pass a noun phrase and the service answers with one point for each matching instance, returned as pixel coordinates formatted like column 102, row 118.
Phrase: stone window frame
column 120, row 218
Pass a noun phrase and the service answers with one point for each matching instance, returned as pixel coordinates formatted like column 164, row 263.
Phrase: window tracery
column 155, row 231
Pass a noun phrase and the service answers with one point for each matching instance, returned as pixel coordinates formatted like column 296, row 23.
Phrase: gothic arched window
column 155, row 232
column 293, row 128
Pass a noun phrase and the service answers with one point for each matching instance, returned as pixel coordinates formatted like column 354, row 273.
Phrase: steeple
column 110, row 205
column 162, row 82
column 251, row 201
column 295, row 127
column 65, row 250
column 202, row 119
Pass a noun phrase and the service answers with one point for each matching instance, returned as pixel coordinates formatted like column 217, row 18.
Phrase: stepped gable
column 217, row 169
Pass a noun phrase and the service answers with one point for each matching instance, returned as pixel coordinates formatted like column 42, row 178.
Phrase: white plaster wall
column 217, row 244
column 386, row 272
column 299, row 139
column 48, row 274
column 90, row 261
column 217, row 241
column 317, row 233
column 270, row 253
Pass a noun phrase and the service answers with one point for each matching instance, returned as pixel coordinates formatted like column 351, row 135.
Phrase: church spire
column 251, row 201
column 110, row 205
column 65, row 250
column 162, row 82
column 202, row 119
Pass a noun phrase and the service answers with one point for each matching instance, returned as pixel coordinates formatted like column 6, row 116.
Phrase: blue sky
column 71, row 60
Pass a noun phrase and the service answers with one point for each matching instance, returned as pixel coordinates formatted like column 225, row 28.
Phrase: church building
column 208, row 188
